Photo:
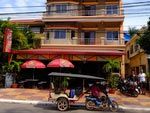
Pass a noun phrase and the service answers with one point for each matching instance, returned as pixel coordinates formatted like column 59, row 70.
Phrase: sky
column 130, row 20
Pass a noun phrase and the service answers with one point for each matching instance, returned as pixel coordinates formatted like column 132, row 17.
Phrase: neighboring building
column 86, row 32
column 136, row 58
column 36, row 25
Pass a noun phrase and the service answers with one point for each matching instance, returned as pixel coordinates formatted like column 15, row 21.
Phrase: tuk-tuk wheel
column 62, row 104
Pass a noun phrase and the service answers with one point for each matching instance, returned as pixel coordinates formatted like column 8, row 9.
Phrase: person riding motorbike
column 95, row 91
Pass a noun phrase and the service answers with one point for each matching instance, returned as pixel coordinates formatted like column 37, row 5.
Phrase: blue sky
column 129, row 20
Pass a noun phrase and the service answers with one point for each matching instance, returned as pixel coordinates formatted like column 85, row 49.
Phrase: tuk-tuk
column 63, row 97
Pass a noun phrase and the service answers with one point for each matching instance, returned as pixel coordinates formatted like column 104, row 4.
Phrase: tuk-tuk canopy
column 75, row 75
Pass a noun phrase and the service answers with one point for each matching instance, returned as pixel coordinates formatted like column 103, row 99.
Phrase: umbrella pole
column 33, row 74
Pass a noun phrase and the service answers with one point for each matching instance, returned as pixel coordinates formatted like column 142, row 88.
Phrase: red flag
column 7, row 40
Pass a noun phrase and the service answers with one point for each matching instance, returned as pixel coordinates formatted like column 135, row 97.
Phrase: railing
column 86, row 41
column 84, row 13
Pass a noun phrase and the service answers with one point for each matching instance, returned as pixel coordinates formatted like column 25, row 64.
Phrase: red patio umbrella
column 33, row 64
column 60, row 63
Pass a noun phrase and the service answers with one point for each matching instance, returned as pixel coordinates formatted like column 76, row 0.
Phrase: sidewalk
column 34, row 96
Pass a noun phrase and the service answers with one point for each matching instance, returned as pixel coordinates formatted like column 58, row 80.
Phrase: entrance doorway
column 89, row 37
column 90, row 10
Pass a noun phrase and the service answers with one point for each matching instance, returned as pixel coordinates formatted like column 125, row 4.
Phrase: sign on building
column 7, row 40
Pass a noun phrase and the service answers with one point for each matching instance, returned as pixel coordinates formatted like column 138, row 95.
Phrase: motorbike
column 129, row 88
column 102, row 103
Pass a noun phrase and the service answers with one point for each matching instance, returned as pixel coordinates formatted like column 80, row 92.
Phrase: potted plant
column 12, row 68
column 113, row 82
column 113, row 79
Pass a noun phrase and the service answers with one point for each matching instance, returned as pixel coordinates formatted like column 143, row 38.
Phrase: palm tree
column 132, row 31
column 111, row 65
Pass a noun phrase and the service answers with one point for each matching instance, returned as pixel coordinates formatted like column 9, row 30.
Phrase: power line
column 38, row 12
column 130, row 4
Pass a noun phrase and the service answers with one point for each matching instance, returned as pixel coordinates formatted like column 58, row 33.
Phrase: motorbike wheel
column 89, row 105
column 135, row 94
column 62, row 104
column 114, row 106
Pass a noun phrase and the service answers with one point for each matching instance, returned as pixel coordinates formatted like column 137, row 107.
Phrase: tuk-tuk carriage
column 63, row 98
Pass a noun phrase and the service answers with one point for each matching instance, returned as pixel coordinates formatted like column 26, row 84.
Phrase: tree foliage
column 111, row 65
column 132, row 31
column 144, row 40
column 13, row 66
column 21, row 38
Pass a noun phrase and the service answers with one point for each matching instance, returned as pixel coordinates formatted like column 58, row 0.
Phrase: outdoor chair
column 21, row 84
column 42, row 84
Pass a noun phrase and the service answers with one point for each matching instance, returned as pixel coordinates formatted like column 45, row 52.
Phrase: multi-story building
column 136, row 59
column 86, row 32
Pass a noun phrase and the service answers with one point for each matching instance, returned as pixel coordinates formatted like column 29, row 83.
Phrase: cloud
column 7, row 10
column 19, row 3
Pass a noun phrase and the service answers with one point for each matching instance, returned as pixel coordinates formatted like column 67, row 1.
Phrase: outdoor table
column 32, row 82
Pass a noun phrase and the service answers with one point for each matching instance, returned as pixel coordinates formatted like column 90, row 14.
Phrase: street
column 28, row 108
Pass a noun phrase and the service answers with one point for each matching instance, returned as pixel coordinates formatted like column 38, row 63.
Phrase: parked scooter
column 102, row 103
column 129, row 88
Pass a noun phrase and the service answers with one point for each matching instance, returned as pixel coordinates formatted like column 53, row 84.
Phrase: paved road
column 28, row 108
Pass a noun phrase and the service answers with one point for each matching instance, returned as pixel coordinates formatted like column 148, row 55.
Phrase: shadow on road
column 72, row 108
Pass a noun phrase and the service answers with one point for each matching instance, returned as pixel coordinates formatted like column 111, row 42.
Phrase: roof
column 69, row 51
column 28, row 21
column 74, row 75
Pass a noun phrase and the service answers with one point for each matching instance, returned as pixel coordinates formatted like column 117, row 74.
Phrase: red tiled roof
column 69, row 51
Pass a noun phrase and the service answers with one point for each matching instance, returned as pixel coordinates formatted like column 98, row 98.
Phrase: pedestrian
column 142, row 81
column 134, row 77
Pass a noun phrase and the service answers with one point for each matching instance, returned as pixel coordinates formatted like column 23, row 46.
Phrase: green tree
column 144, row 40
column 19, row 41
column 132, row 31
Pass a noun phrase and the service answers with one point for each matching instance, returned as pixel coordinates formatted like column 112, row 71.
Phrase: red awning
column 69, row 51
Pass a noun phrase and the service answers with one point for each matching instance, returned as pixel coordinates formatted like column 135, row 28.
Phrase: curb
column 50, row 103
column 25, row 101
column 134, row 108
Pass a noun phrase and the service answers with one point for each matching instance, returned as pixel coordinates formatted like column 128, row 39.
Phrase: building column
column 123, row 66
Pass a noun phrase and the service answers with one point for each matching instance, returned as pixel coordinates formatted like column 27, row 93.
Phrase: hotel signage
column 7, row 40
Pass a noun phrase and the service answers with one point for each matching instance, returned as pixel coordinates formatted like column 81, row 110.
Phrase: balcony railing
column 84, row 13
column 86, row 41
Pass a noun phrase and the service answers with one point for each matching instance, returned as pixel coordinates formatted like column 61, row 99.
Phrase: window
column 72, row 34
column 128, row 55
column 47, row 35
column 112, row 35
column 49, row 9
column 131, row 49
column 112, row 9
column 60, row 34
column 35, row 29
column 90, row 10
column 61, row 8
column 136, row 46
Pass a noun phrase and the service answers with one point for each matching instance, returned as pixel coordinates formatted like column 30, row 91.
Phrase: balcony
column 83, row 41
column 84, row 15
